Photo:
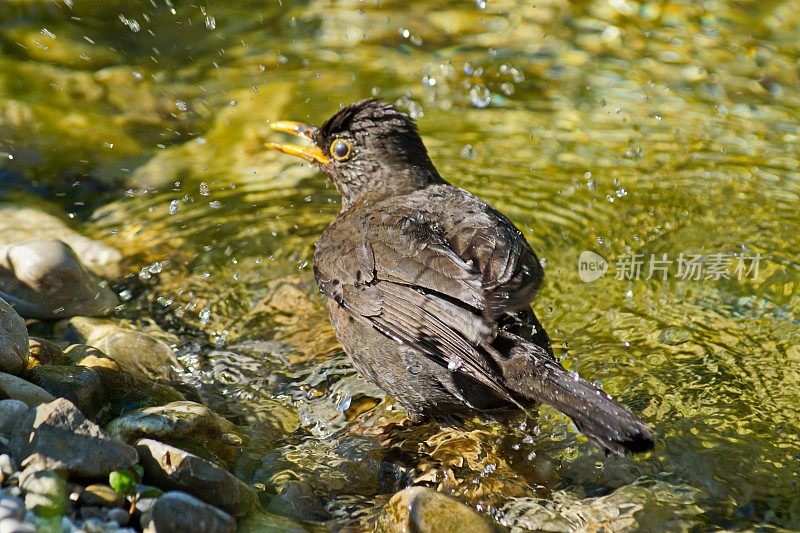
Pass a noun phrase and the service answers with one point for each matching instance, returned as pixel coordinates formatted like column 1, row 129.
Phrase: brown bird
column 429, row 288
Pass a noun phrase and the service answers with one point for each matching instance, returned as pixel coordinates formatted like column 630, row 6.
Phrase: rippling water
column 617, row 127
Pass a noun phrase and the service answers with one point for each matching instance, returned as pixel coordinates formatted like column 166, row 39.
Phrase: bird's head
column 369, row 149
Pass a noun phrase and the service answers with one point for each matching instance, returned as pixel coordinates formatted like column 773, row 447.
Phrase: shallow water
column 617, row 127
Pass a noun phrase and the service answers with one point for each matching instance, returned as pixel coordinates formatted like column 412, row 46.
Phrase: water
column 639, row 131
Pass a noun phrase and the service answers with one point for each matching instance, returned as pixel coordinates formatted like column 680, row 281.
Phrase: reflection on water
column 616, row 126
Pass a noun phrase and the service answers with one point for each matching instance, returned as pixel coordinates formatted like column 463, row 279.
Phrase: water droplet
column 468, row 152
column 214, row 204
column 344, row 403
column 414, row 369
column 211, row 22
column 481, row 4
column 302, row 264
column 204, row 315
column 203, row 188
column 622, row 192
column 454, row 363
column 173, row 207
column 480, row 96
column 507, row 88
column 181, row 105
column 574, row 375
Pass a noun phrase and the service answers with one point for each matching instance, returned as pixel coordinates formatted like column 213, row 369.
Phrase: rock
column 424, row 510
column 176, row 469
column 45, row 491
column 297, row 500
column 137, row 352
column 44, row 352
column 261, row 522
column 7, row 467
column 177, row 512
column 99, row 495
column 11, row 508
column 14, row 349
column 20, row 224
column 57, row 435
column 45, row 279
column 79, row 384
column 15, row 526
column 11, row 412
column 19, row 389
column 120, row 516
column 183, row 424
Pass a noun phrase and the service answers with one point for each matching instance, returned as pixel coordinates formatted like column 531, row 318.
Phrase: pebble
column 10, row 413
column 425, row 510
column 19, row 389
column 14, row 351
column 58, row 436
column 178, row 512
column 99, row 495
column 11, row 508
column 45, row 491
column 170, row 467
column 120, row 516
column 45, row 279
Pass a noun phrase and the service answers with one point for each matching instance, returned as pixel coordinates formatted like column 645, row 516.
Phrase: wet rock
column 99, row 495
column 137, row 352
column 173, row 468
column 45, row 491
column 11, row 412
column 179, row 512
column 261, row 522
column 79, row 384
column 57, row 435
column 45, row 279
column 297, row 500
column 44, row 352
column 184, row 424
column 424, row 510
column 19, row 389
column 20, row 224
column 14, row 349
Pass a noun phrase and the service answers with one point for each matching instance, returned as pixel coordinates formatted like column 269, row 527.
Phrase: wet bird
column 429, row 288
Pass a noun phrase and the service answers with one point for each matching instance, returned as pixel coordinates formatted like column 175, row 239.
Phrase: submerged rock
column 297, row 500
column 19, row 389
column 173, row 468
column 137, row 352
column 56, row 435
column 424, row 510
column 178, row 512
column 46, row 279
column 14, row 350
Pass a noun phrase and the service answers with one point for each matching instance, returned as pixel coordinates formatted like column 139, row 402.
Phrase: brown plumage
column 429, row 288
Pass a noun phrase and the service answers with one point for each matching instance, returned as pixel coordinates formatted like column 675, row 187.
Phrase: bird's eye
column 341, row 149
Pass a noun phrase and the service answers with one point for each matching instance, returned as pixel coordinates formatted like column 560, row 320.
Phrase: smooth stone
column 49, row 281
column 174, row 420
column 137, row 352
column 173, row 468
column 11, row 412
column 15, row 526
column 14, row 351
column 45, row 491
column 79, row 384
column 7, row 466
column 99, row 495
column 11, row 507
column 45, row 352
column 178, row 512
column 120, row 516
column 297, row 500
column 19, row 224
column 19, row 389
column 423, row 510
column 58, row 436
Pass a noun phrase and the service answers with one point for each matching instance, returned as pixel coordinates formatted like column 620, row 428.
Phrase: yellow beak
column 298, row 129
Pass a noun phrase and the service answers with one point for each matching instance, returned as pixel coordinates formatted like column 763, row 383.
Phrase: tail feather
column 532, row 373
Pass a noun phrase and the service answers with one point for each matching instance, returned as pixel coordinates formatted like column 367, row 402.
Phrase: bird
column 429, row 288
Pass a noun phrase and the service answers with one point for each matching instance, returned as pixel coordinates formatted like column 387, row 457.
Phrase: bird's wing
column 435, row 281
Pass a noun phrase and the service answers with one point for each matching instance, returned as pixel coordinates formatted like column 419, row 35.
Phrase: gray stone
column 99, row 495
column 424, row 510
column 137, row 352
column 79, row 384
column 19, row 389
column 11, row 412
column 45, row 279
column 15, row 526
column 57, row 435
column 173, row 468
column 19, row 224
column 11, row 507
column 14, row 351
column 45, row 491
column 7, row 466
column 176, row 420
column 178, row 512
column 120, row 516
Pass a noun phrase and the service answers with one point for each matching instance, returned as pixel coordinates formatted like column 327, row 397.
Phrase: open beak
column 298, row 129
